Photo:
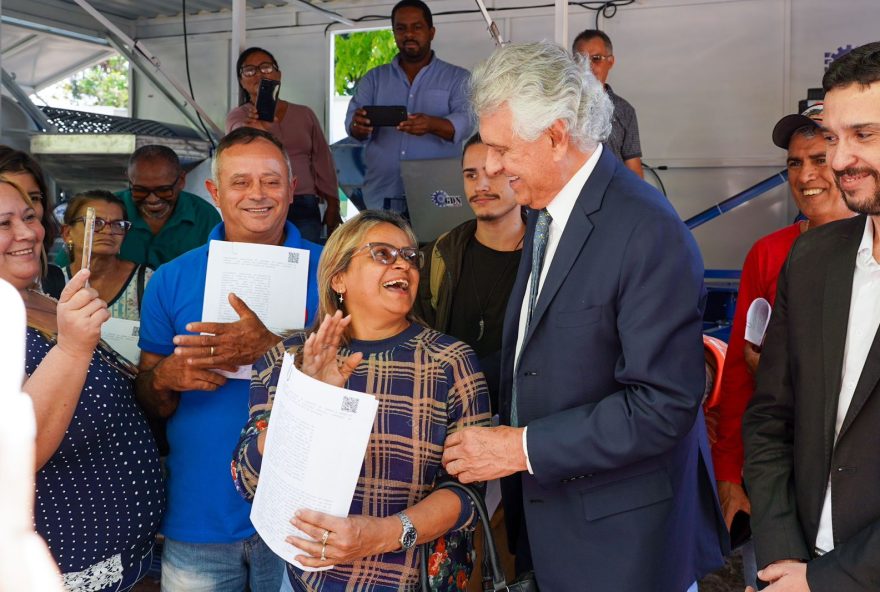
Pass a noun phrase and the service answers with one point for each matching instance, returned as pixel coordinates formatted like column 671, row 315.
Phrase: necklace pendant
column 482, row 326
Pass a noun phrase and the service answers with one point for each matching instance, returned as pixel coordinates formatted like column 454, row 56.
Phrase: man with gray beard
column 812, row 449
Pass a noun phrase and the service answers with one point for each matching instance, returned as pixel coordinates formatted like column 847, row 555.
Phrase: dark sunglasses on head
column 162, row 192
column 387, row 254
column 264, row 68
column 116, row 226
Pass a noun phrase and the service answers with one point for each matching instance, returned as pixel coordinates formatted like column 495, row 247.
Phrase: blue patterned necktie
column 539, row 246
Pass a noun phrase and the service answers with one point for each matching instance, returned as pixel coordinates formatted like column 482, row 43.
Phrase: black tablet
column 385, row 115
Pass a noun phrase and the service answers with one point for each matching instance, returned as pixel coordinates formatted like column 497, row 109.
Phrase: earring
column 69, row 247
column 339, row 297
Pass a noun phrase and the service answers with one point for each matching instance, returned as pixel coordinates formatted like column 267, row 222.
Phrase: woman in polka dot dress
column 99, row 485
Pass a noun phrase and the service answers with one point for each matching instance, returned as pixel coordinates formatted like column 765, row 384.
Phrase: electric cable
column 189, row 78
column 653, row 171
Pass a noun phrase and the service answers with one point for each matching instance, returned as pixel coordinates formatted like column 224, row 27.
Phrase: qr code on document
column 350, row 404
column 293, row 257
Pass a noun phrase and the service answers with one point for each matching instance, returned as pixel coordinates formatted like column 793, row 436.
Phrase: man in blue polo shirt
column 210, row 543
column 435, row 95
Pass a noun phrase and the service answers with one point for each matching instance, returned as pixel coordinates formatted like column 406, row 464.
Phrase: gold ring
column 324, row 537
column 324, row 552
column 212, row 351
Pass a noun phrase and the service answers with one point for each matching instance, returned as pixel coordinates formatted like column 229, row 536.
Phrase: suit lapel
column 574, row 237
column 867, row 382
column 871, row 370
column 835, row 317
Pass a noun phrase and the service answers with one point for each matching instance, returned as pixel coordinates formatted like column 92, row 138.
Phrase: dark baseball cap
column 788, row 125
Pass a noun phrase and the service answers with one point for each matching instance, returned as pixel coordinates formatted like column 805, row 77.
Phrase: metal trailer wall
column 708, row 79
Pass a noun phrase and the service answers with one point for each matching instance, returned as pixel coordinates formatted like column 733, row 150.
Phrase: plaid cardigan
column 429, row 385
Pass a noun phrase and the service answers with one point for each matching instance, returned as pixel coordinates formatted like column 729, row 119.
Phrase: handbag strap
column 490, row 552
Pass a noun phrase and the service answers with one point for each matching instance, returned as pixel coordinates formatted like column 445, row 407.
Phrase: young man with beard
column 435, row 95
column 810, row 432
column 469, row 271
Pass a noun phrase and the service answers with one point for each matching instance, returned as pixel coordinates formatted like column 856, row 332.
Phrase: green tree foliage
column 103, row 84
column 356, row 53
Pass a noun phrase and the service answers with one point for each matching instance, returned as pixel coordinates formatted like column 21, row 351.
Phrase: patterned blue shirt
column 440, row 90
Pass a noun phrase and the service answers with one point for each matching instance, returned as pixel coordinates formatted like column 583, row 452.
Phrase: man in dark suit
column 812, row 429
column 605, row 450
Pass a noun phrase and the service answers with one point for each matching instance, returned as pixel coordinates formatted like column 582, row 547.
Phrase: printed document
column 122, row 335
column 315, row 446
column 271, row 280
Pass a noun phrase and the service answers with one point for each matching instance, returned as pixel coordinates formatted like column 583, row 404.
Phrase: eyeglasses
column 116, row 226
column 264, row 68
column 163, row 192
column 599, row 58
column 387, row 254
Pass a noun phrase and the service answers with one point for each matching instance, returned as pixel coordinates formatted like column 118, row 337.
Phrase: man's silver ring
column 324, row 552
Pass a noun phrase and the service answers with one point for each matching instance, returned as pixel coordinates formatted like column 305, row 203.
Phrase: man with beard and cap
column 165, row 220
column 810, row 432
column 435, row 95
column 816, row 196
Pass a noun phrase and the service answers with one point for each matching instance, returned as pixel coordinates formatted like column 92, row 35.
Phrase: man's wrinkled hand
column 226, row 345
column 173, row 373
column 482, row 454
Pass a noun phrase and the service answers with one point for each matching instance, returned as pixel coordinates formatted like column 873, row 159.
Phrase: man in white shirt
column 812, row 430
column 604, row 450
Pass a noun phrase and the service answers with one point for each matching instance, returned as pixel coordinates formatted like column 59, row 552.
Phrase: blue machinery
column 722, row 284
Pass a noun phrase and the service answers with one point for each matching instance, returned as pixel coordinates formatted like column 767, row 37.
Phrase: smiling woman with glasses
column 119, row 283
column 298, row 130
column 428, row 385
column 99, row 491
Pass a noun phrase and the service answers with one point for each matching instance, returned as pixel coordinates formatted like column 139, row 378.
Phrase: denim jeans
column 223, row 567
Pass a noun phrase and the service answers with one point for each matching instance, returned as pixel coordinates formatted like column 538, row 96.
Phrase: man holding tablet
column 430, row 92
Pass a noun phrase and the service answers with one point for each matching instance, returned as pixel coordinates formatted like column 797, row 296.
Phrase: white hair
column 540, row 83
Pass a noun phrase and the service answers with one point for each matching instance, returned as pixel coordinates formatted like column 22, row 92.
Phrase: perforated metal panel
column 80, row 122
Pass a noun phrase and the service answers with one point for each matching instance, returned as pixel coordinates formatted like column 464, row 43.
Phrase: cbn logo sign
column 441, row 199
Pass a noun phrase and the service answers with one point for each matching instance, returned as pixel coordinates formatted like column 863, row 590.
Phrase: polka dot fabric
column 101, row 493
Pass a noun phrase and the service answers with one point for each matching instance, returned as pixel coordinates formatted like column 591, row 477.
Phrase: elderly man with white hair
column 608, row 481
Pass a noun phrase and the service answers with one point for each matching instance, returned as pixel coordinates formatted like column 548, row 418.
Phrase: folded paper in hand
column 315, row 446
column 757, row 320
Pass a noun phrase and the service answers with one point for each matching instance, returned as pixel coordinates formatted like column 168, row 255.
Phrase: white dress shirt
column 559, row 209
column 864, row 319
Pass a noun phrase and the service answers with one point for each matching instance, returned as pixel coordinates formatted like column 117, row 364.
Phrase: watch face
column 409, row 537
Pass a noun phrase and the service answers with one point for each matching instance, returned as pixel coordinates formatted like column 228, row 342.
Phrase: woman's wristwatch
column 409, row 536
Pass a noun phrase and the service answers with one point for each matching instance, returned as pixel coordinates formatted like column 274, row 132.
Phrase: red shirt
column 759, row 274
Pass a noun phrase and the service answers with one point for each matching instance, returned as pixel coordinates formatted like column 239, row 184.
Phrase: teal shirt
column 187, row 228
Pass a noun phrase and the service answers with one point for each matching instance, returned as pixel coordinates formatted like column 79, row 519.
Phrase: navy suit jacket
column 609, row 383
